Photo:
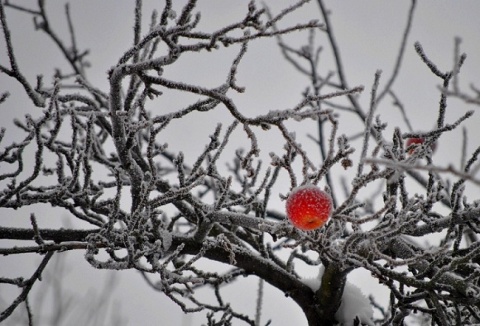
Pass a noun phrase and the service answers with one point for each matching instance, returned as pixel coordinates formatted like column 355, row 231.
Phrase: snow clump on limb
column 354, row 302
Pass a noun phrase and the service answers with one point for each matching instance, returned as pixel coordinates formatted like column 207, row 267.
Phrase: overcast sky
column 368, row 33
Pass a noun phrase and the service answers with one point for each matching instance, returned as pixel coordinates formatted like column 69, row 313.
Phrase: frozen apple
column 418, row 140
column 308, row 207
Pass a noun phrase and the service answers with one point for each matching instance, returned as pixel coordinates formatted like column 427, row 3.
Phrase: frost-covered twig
column 27, row 286
column 432, row 168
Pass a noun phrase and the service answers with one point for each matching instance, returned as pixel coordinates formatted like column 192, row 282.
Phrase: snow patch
column 354, row 302
column 312, row 282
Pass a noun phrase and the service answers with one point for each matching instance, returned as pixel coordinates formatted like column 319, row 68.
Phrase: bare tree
column 100, row 155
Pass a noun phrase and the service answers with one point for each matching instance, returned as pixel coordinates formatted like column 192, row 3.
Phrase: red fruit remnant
column 308, row 207
column 411, row 141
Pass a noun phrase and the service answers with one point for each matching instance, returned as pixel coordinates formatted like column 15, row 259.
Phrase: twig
column 401, row 51
column 431, row 168
column 27, row 286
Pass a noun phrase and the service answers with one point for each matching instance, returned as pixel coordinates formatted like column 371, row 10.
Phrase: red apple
column 411, row 141
column 308, row 207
